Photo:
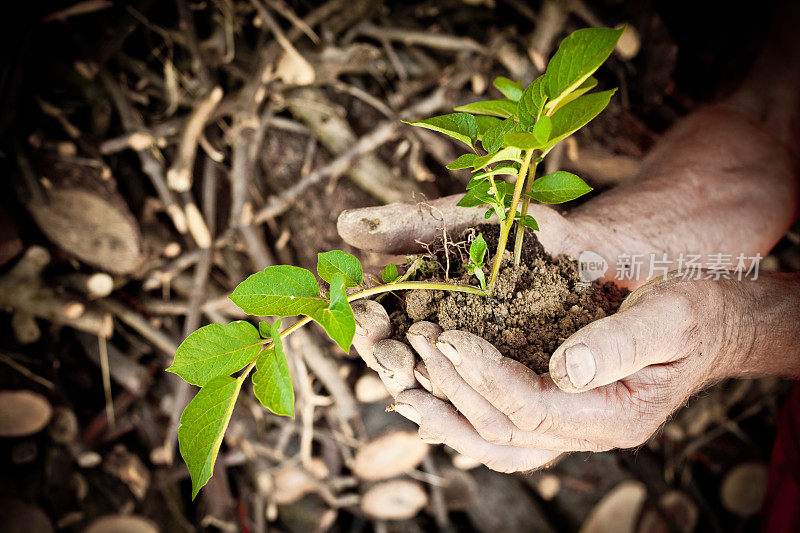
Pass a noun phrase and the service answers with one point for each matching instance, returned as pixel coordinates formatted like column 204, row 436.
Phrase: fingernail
column 450, row 352
column 419, row 342
column 408, row 411
column 421, row 373
column 581, row 366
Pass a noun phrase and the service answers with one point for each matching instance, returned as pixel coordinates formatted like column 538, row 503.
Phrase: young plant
column 477, row 256
column 515, row 133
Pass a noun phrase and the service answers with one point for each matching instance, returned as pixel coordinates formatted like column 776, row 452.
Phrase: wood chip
column 399, row 499
column 389, row 456
column 23, row 413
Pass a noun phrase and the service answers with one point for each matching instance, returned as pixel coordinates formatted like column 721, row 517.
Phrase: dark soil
column 535, row 308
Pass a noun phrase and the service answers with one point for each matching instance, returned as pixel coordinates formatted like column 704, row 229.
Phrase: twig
column 151, row 166
column 179, row 175
column 101, row 343
column 423, row 38
column 79, row 8
column 187, row 27
column 21, row 289
column 286, row 11
column 278, row 205
column 158, row 338
column 7, row 359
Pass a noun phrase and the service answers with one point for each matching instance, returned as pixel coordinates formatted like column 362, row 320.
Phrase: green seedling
column 477, row 256
column 515, row 134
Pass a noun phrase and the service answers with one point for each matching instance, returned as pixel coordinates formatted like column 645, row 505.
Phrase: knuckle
column 538, row 419
column 494, row 432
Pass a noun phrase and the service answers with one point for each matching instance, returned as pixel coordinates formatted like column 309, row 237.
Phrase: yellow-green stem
column 526, row 201
column 380, row 289
column 509, row 221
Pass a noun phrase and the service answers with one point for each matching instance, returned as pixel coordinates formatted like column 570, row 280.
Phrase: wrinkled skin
column 723, row 180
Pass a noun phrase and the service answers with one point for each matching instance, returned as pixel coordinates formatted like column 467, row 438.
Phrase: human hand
column 400, row 228
column 611, row 384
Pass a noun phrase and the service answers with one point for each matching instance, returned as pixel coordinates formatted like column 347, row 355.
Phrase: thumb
column 399, row 228
column 654, row 329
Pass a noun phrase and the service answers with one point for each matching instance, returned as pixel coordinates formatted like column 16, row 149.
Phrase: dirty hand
column 400, row 228
column 611, row 384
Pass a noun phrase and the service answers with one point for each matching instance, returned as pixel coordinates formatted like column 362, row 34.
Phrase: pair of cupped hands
column 610, row 385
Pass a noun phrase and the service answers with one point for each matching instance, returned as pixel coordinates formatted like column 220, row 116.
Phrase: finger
column 399, row 228
column 372, row 325
column 395, row 365
column 533, row 403
column 440, row 423
column 424, row 379
column 489, row 422
column 650, row 331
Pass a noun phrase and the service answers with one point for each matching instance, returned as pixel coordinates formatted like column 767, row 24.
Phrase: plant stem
column 509, row 221
column 380, row 289
column 526, row 201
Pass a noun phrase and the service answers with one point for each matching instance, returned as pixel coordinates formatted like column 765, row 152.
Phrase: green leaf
column 485, row 123
column 576, row 114
column 460, row 126
column 586, row 86
column 496, row 108
column 523, row 140
column 478, row 273
column 510, row 89
column 272, row 383
column 542, row 128
column 531, row 103
column 478, row 195
column 505, row 154
column 477, row 250
column 527, row 221
column 578, row 56
column 507, row 170
column 558, row 187
column 492, row 140
column 329, row 263
column 203, row 424
column 281, row 290
column 216, row 350
column 337, row 319
column 389, row 273
column 463, row 161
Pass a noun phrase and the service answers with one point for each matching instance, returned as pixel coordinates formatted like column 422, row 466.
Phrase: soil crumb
column 536, row 306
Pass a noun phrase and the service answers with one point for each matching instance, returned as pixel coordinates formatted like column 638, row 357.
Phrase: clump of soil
column 536, row 306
